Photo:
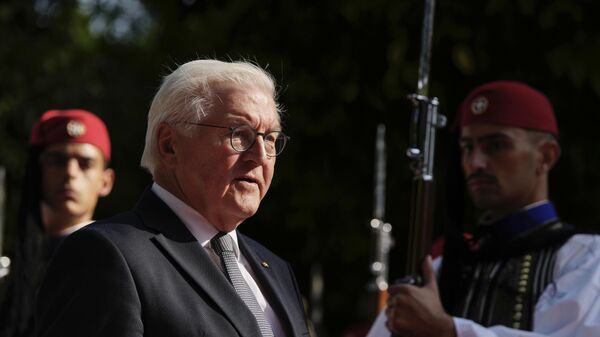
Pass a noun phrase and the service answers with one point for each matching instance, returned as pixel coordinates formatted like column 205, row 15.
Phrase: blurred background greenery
column 343, row 67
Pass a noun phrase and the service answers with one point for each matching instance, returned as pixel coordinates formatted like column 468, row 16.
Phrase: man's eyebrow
column 494, row 136
column 239, row 121
column 68, row 155
column 236, row 120
column 486, row 138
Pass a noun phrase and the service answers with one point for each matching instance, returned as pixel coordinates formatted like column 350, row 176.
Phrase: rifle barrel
column 2, row 205
column 4, row 260
column 425, row 56
column 380, row 174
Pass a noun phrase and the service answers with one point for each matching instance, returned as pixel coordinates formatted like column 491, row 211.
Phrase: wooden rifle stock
column 420, row 226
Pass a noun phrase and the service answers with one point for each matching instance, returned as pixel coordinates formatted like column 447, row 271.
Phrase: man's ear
column 550, row 152
column 108, row 181
column 166, row 140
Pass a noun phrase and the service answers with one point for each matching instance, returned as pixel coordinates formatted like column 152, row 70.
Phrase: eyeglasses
column 244, row 136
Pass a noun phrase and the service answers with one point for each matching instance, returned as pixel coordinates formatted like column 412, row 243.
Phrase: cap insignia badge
column 75, row 129
column 479, row 105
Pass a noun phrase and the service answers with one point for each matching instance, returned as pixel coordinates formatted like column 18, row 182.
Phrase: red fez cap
column 508, row 103
column 71, row 126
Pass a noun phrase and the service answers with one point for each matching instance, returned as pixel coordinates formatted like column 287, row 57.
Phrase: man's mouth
column 480, row 180
column 247, row 179
column 476, row 184
column 68, row 193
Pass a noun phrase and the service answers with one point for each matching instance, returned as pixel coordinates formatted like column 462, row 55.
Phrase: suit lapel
column 278, row 296
column 175, row 241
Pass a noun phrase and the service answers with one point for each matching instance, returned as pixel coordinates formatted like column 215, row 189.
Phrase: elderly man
column 67, row 172
column 524, row 272
column 176, row 265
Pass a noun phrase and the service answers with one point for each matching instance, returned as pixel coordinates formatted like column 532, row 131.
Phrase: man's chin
column 243, row 204
column 246, row 211
column 486, row 203
column 235, row 217
column 67, row 206
column 483, row 199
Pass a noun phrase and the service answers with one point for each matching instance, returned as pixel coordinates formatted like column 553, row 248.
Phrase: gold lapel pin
column 264, row 264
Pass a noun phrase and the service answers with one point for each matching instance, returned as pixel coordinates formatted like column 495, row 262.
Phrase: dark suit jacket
column 142, row 273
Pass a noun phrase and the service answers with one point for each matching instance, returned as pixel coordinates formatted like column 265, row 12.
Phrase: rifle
column 4, row 261
column 424, row 121
column 316, row 300
column 381, row 230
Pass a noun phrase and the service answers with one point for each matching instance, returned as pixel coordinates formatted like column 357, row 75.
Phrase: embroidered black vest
column 499, row 280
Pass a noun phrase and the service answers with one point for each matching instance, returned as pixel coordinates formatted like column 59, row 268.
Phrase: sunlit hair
column 188, row 94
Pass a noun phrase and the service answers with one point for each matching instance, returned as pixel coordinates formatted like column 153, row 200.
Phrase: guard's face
column 225, row 186
column 73, row 178
column 501, row 167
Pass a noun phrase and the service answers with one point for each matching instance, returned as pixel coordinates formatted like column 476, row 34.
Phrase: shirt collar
column 530, row 217
column 72, row 229
column 202, row 230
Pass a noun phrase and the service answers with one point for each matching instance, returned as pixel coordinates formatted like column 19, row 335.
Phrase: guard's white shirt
column 203, row 231
column 568, row 307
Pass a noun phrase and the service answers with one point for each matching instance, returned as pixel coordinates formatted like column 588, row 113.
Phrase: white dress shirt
column 203, row 231
column 73, row 229
column 568, row 307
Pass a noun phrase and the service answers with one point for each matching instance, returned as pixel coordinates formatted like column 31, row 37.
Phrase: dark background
column 343, row 67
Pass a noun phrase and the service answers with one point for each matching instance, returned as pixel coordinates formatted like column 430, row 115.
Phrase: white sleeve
column 468, row 328
column 569, row 306
column 378, row 329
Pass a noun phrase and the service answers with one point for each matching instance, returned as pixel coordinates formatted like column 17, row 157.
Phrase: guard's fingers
column 391, row 322
column 394, row 289
column 429, row 274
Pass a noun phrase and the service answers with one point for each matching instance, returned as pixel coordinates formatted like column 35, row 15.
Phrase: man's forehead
column 245, row 104
column 79, row 149
column 484, row 131
column 226, row 91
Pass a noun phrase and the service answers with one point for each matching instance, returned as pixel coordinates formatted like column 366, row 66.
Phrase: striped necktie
column 222, row 244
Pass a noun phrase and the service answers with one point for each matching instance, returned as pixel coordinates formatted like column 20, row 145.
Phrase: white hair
column 188, row 94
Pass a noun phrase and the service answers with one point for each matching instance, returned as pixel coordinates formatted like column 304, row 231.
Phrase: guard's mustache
column 480, row 175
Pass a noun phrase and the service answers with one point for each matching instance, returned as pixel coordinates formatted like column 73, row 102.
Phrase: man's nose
column 258, row 152
column 72, row 166
column 477, row 160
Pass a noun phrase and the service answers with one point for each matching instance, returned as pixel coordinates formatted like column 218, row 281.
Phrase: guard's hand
column 417, row 311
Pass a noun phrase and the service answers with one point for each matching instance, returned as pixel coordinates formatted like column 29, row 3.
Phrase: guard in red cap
column 67, row 172
column 523, row 269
